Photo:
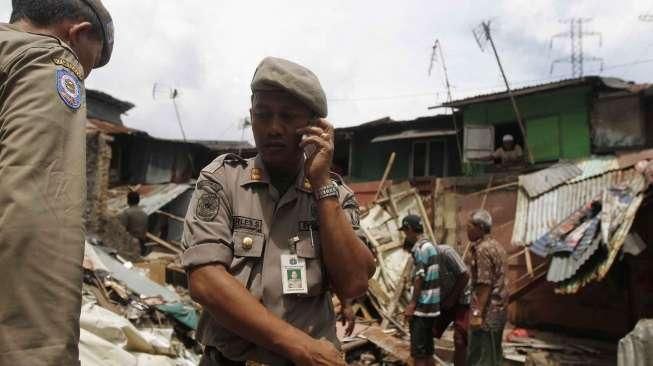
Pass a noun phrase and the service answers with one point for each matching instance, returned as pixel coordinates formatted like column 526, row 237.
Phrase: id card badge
column 293, row 274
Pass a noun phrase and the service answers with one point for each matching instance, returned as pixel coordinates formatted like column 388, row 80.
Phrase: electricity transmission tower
column 483, row 35
column 577, row 57
column 172, row 93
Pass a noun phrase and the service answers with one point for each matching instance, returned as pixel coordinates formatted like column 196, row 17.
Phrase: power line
column 487, row 87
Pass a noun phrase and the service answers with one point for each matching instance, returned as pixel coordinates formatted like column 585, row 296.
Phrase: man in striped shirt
column 424, row 306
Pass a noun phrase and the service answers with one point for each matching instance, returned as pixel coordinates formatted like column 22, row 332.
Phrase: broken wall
column 98, row 162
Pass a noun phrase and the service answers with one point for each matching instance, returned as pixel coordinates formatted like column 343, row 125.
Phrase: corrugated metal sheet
column 153, row 197
column 547, row 179
column 94, row 124
column 597, row 165
column 535, row 217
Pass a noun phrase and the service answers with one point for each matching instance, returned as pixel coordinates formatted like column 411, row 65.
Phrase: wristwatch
column 329, row 190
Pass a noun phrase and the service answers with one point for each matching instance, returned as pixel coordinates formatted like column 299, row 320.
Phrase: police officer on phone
column 270, row 238
column 46, row 52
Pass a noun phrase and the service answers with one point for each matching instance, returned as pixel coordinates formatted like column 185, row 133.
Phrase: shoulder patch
column 70, row 89
column 76, row 69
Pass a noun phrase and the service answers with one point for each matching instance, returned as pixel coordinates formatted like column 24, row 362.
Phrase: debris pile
column 130, row 319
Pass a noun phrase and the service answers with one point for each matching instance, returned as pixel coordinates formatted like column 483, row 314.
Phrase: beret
column 106, row 23
column 279, row 74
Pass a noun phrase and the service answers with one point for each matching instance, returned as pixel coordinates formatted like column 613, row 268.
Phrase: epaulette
column 234, row 160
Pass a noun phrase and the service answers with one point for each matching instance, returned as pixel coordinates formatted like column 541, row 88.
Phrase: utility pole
column 577, row 57
column 437, row 49
column 483, row 35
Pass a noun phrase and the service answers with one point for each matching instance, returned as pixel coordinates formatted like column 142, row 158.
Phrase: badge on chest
column 293, row 271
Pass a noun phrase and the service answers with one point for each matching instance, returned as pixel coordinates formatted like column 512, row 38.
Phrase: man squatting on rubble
column 46, row 52
column 489, row 292
column 253, row 223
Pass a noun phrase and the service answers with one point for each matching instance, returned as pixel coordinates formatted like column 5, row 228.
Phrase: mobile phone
column 309, row 150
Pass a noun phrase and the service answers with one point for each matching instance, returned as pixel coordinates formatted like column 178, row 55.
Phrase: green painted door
column 544, row 138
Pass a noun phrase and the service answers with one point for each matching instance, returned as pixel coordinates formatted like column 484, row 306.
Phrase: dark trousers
column 485, row 347
column 459, row 315
column 212, row 357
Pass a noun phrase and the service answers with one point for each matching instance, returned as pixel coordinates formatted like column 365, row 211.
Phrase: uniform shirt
column 509, row 156
column 451, row 267
column 425, row 257
column 42, row 194
column 134, row 219
column 489, row 267
column 238, row 219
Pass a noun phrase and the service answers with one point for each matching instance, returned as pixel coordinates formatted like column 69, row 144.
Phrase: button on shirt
column 425, row 257
column 238, row 219
column 489, row 267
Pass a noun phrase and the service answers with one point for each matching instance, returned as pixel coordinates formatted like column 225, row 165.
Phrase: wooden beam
column 388, row 167
column 174, row 217
column 163, row 243
column 496, row 188
column 394, row 302
column 425, row 217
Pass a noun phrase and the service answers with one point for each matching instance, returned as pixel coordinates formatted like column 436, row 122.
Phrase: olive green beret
column 107, row 30
column 279, row 74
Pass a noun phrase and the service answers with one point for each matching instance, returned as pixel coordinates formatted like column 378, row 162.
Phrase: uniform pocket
column 247, row 244
column 315, row 277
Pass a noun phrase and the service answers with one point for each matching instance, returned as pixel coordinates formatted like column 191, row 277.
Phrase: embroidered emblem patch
column 208, row 206
column 69, row 65
column 208, row 203
column 69, row 88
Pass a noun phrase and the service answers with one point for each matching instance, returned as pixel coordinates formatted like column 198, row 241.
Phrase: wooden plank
column 494, row 188
column 529, row 262
column 390, row 246
column 534, row 282
column 388, row 167
column 425, row 217
column 163, row 243
column 399, row 291
column 174, row 217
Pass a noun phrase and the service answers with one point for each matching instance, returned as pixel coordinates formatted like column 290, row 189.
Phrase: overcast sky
column 372, row 57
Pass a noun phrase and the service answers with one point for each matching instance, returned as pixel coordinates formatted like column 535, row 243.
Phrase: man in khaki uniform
column 46, row 52
column 251, row 222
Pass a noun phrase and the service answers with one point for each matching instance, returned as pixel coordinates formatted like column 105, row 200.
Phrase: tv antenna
column 437, row 50
column 171, row 93
column 483, row 36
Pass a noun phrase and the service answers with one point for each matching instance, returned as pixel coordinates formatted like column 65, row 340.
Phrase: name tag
column 293, row 274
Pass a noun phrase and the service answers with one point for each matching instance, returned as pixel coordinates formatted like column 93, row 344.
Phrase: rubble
column 129, row 319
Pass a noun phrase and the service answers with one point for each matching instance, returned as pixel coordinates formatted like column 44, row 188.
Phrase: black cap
column 107, row 30
column 411, row 221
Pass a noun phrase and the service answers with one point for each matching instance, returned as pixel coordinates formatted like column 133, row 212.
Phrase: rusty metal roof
column 153, row 197
column 109, row 128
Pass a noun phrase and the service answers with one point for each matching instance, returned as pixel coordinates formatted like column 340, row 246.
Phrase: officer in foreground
column 255, row 225
column 46, row 52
